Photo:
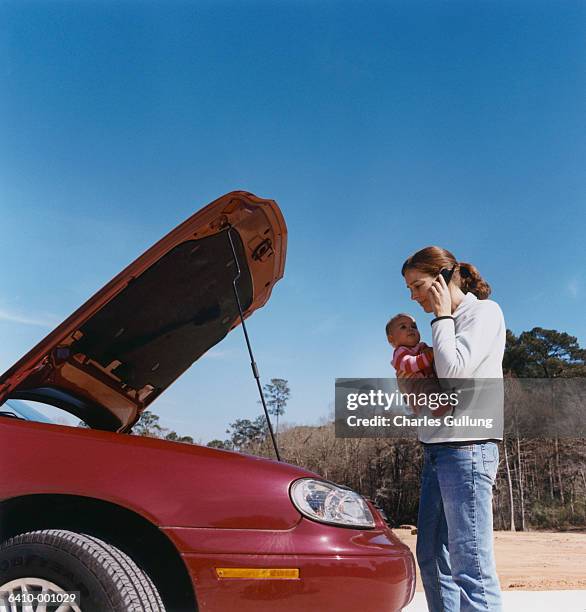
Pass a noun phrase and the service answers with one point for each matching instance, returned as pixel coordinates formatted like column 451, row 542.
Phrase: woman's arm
column 458, row 355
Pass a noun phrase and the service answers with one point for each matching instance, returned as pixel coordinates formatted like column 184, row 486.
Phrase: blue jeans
column 454, row 528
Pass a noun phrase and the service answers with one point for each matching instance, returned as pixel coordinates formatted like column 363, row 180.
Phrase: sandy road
column 533, row 561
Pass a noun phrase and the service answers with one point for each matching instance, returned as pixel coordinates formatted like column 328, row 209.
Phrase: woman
column 454, row 527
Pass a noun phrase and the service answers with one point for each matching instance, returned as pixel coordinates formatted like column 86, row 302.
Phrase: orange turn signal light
column 256, row 573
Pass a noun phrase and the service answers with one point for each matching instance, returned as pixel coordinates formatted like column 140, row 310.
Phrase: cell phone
column 447, row 274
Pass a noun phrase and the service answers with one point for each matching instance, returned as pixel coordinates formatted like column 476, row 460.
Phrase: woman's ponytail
column 471, row 281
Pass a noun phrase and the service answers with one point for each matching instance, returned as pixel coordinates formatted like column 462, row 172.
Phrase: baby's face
column 404, row 332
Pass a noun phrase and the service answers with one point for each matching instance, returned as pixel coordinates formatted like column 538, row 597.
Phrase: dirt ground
column 532, row 561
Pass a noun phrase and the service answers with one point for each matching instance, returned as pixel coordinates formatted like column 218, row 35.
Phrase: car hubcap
column 35, row 595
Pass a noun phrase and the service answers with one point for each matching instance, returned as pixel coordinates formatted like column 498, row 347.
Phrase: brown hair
column 432, row 259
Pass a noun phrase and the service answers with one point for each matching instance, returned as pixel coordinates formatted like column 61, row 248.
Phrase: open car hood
column 120, row 350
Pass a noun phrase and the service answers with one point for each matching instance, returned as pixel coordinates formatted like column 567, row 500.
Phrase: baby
column 411, row 358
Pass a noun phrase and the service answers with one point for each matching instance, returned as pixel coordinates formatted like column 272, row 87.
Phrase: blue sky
column 379, row 128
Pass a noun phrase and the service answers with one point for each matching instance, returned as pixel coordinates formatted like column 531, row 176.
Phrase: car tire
column 107, row 579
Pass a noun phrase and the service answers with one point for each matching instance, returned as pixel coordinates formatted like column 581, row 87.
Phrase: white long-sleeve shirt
column 470, row 345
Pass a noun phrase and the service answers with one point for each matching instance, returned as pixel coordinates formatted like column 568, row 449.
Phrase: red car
column 93, row 519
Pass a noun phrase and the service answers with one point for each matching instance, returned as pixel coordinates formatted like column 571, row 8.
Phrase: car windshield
column 24, row 411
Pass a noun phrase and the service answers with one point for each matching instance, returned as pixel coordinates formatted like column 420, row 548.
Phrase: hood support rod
column 252, row 361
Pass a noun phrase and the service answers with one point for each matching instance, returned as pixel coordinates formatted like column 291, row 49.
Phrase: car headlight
column 328, row 503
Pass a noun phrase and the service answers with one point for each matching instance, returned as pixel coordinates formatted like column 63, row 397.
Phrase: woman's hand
column 440, row 298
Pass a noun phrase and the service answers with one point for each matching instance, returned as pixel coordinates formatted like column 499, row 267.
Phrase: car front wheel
column 41, row 567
